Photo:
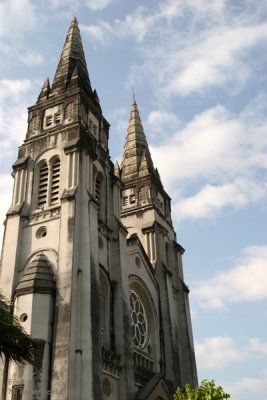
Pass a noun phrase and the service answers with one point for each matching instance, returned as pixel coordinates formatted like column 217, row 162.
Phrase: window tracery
column 139, row 325
column 144, row 330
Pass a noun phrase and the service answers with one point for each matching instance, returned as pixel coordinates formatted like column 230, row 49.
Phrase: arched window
column 48, row 182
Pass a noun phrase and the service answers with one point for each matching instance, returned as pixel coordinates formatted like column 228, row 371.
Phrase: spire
column 136, row 153
column 72, row 64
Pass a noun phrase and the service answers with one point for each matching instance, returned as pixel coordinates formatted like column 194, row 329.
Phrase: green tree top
column 206, row 391
column 15, row 344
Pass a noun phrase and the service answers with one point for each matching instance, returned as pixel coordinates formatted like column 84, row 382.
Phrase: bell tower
column 90, row 257
column 63, row 204
column 146, row 212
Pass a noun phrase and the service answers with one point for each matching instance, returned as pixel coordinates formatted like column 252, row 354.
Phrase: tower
column 89, row 255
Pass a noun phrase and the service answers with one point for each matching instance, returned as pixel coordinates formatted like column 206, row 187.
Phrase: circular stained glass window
column 139, row 329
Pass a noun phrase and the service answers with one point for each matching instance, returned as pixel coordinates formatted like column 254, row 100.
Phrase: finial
column 133, row 94
column 74, row 14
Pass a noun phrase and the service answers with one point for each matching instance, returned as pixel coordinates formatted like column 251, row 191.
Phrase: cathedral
column 90, row 257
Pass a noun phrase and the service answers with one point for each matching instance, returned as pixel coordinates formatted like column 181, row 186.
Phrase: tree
column 206, row 391
column 15, row 344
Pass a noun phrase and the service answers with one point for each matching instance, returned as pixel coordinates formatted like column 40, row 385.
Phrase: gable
column 155, row 389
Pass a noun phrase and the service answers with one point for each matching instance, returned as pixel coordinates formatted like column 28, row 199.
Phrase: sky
column 198, row 69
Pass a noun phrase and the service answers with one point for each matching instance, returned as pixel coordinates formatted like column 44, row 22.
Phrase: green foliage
column 206, row 391
column 15, row 344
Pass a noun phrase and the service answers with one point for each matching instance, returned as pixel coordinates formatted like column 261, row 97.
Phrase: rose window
column 139, row 329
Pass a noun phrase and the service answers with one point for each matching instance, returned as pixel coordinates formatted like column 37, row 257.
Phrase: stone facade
column 90, row 256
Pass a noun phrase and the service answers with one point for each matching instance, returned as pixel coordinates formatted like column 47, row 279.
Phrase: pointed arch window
column 48, row 183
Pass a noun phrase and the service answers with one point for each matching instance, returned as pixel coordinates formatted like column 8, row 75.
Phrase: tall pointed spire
column 72, row 59
column 135, row 148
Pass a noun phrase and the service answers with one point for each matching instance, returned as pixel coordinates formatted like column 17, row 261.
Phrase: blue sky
column 198, row 69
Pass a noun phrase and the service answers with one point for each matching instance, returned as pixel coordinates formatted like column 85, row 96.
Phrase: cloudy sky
column 198, row 68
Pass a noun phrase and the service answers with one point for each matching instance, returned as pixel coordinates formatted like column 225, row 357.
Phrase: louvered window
column 57, row 118
column 132, row 199
column 97, row 188
column 49, row 120
column 54, row 197
column 49, row 183
column 125, row 201
column 100, row 196
column 43, row 185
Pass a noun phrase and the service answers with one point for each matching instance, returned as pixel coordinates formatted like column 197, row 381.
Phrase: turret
column 34, row 307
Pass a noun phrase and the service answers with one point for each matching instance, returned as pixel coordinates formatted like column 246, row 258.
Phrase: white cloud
column 210, row 200
column 246, row 282
column 223, row 153
column 160, row 122
column 16, row 17
column 199, row 148
column 14, row 89
column 211, row 50
column 64, row 3
column 5, row 194
column 221, row 352
column 257, row 346
column 15, row 97
column 215, row 58
column 30, row 58
column 95, row 5
column 118, row 119
column 97, row 33
column 218, row 352
column 248, row 387
column 136, row 26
